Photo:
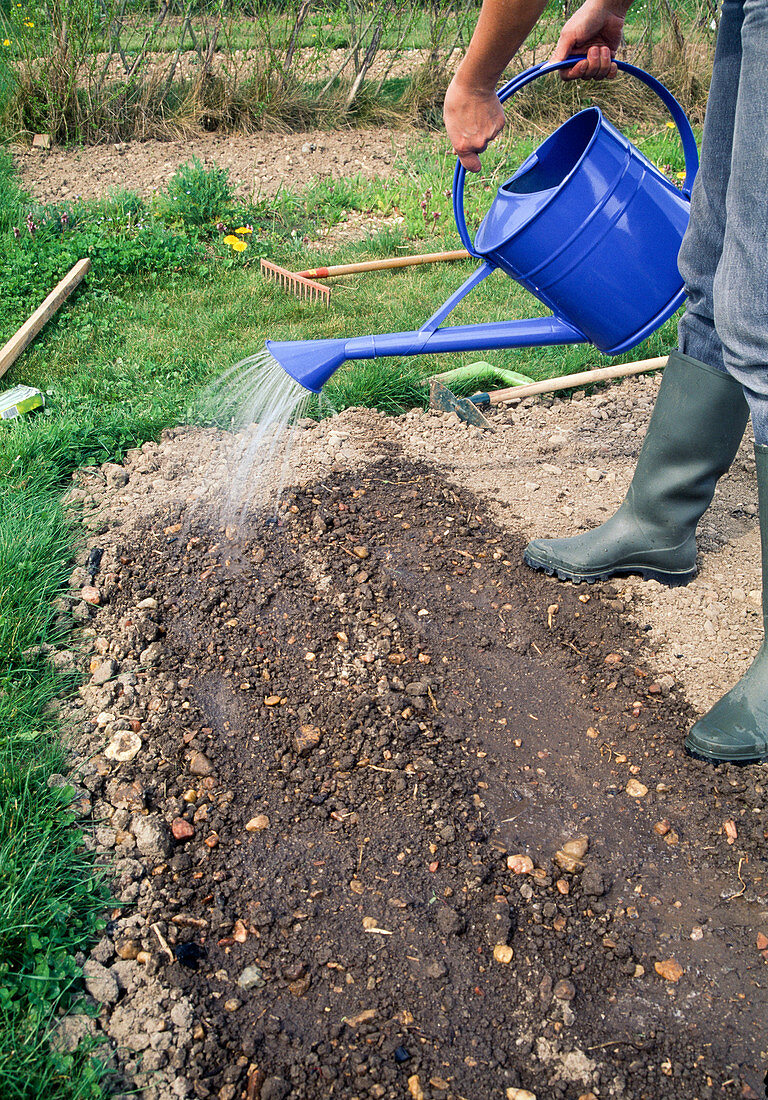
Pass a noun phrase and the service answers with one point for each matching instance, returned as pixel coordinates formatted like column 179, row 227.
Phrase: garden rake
column 303, row 284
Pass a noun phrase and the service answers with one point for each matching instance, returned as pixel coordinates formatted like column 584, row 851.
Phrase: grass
column 167, row 308
column 89, row 73
column 51, row 896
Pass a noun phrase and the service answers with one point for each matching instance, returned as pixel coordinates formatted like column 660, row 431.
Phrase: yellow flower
column 6, row 41
column 235, row 242
column 244, row 229
column 28, row 23
column 680, row 175
column 670, row 125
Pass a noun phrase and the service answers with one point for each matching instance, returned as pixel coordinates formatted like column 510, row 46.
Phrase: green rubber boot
column 692, row 439
column 736, row 728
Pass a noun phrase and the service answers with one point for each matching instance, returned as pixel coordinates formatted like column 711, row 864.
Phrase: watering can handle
column 679, row 117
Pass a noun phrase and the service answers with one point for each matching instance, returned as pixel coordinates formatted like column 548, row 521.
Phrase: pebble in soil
column 337, row 712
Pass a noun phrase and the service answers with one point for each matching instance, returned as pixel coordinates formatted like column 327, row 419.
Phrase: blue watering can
column 586, row 223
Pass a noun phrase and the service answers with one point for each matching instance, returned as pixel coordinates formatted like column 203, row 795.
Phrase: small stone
column 503, row 954
column 669, row 969
column 152, row 656
column 100, row 982
column 577, row 847
column 520, row 1094
column 564, row 990
column 520, row 865
column 127, row 949
column 153, row 837
column 566, row 862
column 299, row 987
column 436, row 969
column 91, row 595
column 414, row 1087
column 563, row 886
column 762, row 941
column 593, row 883
column 199, row 764
column 257, row 823
column 182, row 829
column 449, row 921
column 123, row 747
column 251, row 978
column 274, row 1088
column 636, row 789
column 661, row 828
column 232, row 1004
column 306, row 739
column 361, row 552
column 104, row 672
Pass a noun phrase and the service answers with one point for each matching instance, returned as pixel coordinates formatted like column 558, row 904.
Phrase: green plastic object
column 474, row 373
column 19, row 401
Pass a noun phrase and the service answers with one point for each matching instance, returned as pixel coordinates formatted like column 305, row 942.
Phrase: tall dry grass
column 109, row 70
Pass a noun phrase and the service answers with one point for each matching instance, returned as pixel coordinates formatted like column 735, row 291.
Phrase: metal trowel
column 443, row 399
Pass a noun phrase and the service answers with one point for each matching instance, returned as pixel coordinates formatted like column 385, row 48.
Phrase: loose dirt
column 391, row 815
column 259, row 164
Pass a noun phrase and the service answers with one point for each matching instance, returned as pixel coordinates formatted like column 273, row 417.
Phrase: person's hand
column 473, row 117
column 595, row 30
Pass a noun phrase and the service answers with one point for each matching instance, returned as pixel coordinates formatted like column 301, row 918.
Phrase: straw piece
column 296, row 284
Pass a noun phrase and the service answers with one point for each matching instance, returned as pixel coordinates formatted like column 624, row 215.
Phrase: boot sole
column 741, row 761
column 672, row 580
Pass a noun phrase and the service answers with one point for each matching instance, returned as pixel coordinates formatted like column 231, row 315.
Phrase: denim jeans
column 724, row 255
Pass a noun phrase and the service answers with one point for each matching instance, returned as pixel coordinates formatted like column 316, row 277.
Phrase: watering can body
column 592, row 228
column 587, row 223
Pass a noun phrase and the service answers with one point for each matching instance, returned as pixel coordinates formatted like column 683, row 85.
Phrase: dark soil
column 365, row 706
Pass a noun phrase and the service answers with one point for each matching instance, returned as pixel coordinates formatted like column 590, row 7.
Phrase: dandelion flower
column 245, row 229
column 6, row 41
column 670, row 125
column 28, row 23
column 235, row 243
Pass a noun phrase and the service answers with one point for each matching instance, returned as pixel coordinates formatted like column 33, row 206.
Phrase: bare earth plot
column 393, row 816
column 258, row 163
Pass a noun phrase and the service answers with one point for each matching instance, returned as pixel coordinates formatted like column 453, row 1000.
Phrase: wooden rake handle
column 603, row 374
column 381, row 265
column 10, row 352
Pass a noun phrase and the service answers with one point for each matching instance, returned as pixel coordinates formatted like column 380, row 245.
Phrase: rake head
column 296, row 284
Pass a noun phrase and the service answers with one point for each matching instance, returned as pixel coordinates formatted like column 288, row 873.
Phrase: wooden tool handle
column 380, row 265
column 10, row 352
column 567, row 381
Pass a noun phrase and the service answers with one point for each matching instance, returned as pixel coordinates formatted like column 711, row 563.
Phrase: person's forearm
column 501, row 29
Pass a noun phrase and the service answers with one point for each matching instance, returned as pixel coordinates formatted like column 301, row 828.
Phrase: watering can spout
column 309, row 362
column 312, row 362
